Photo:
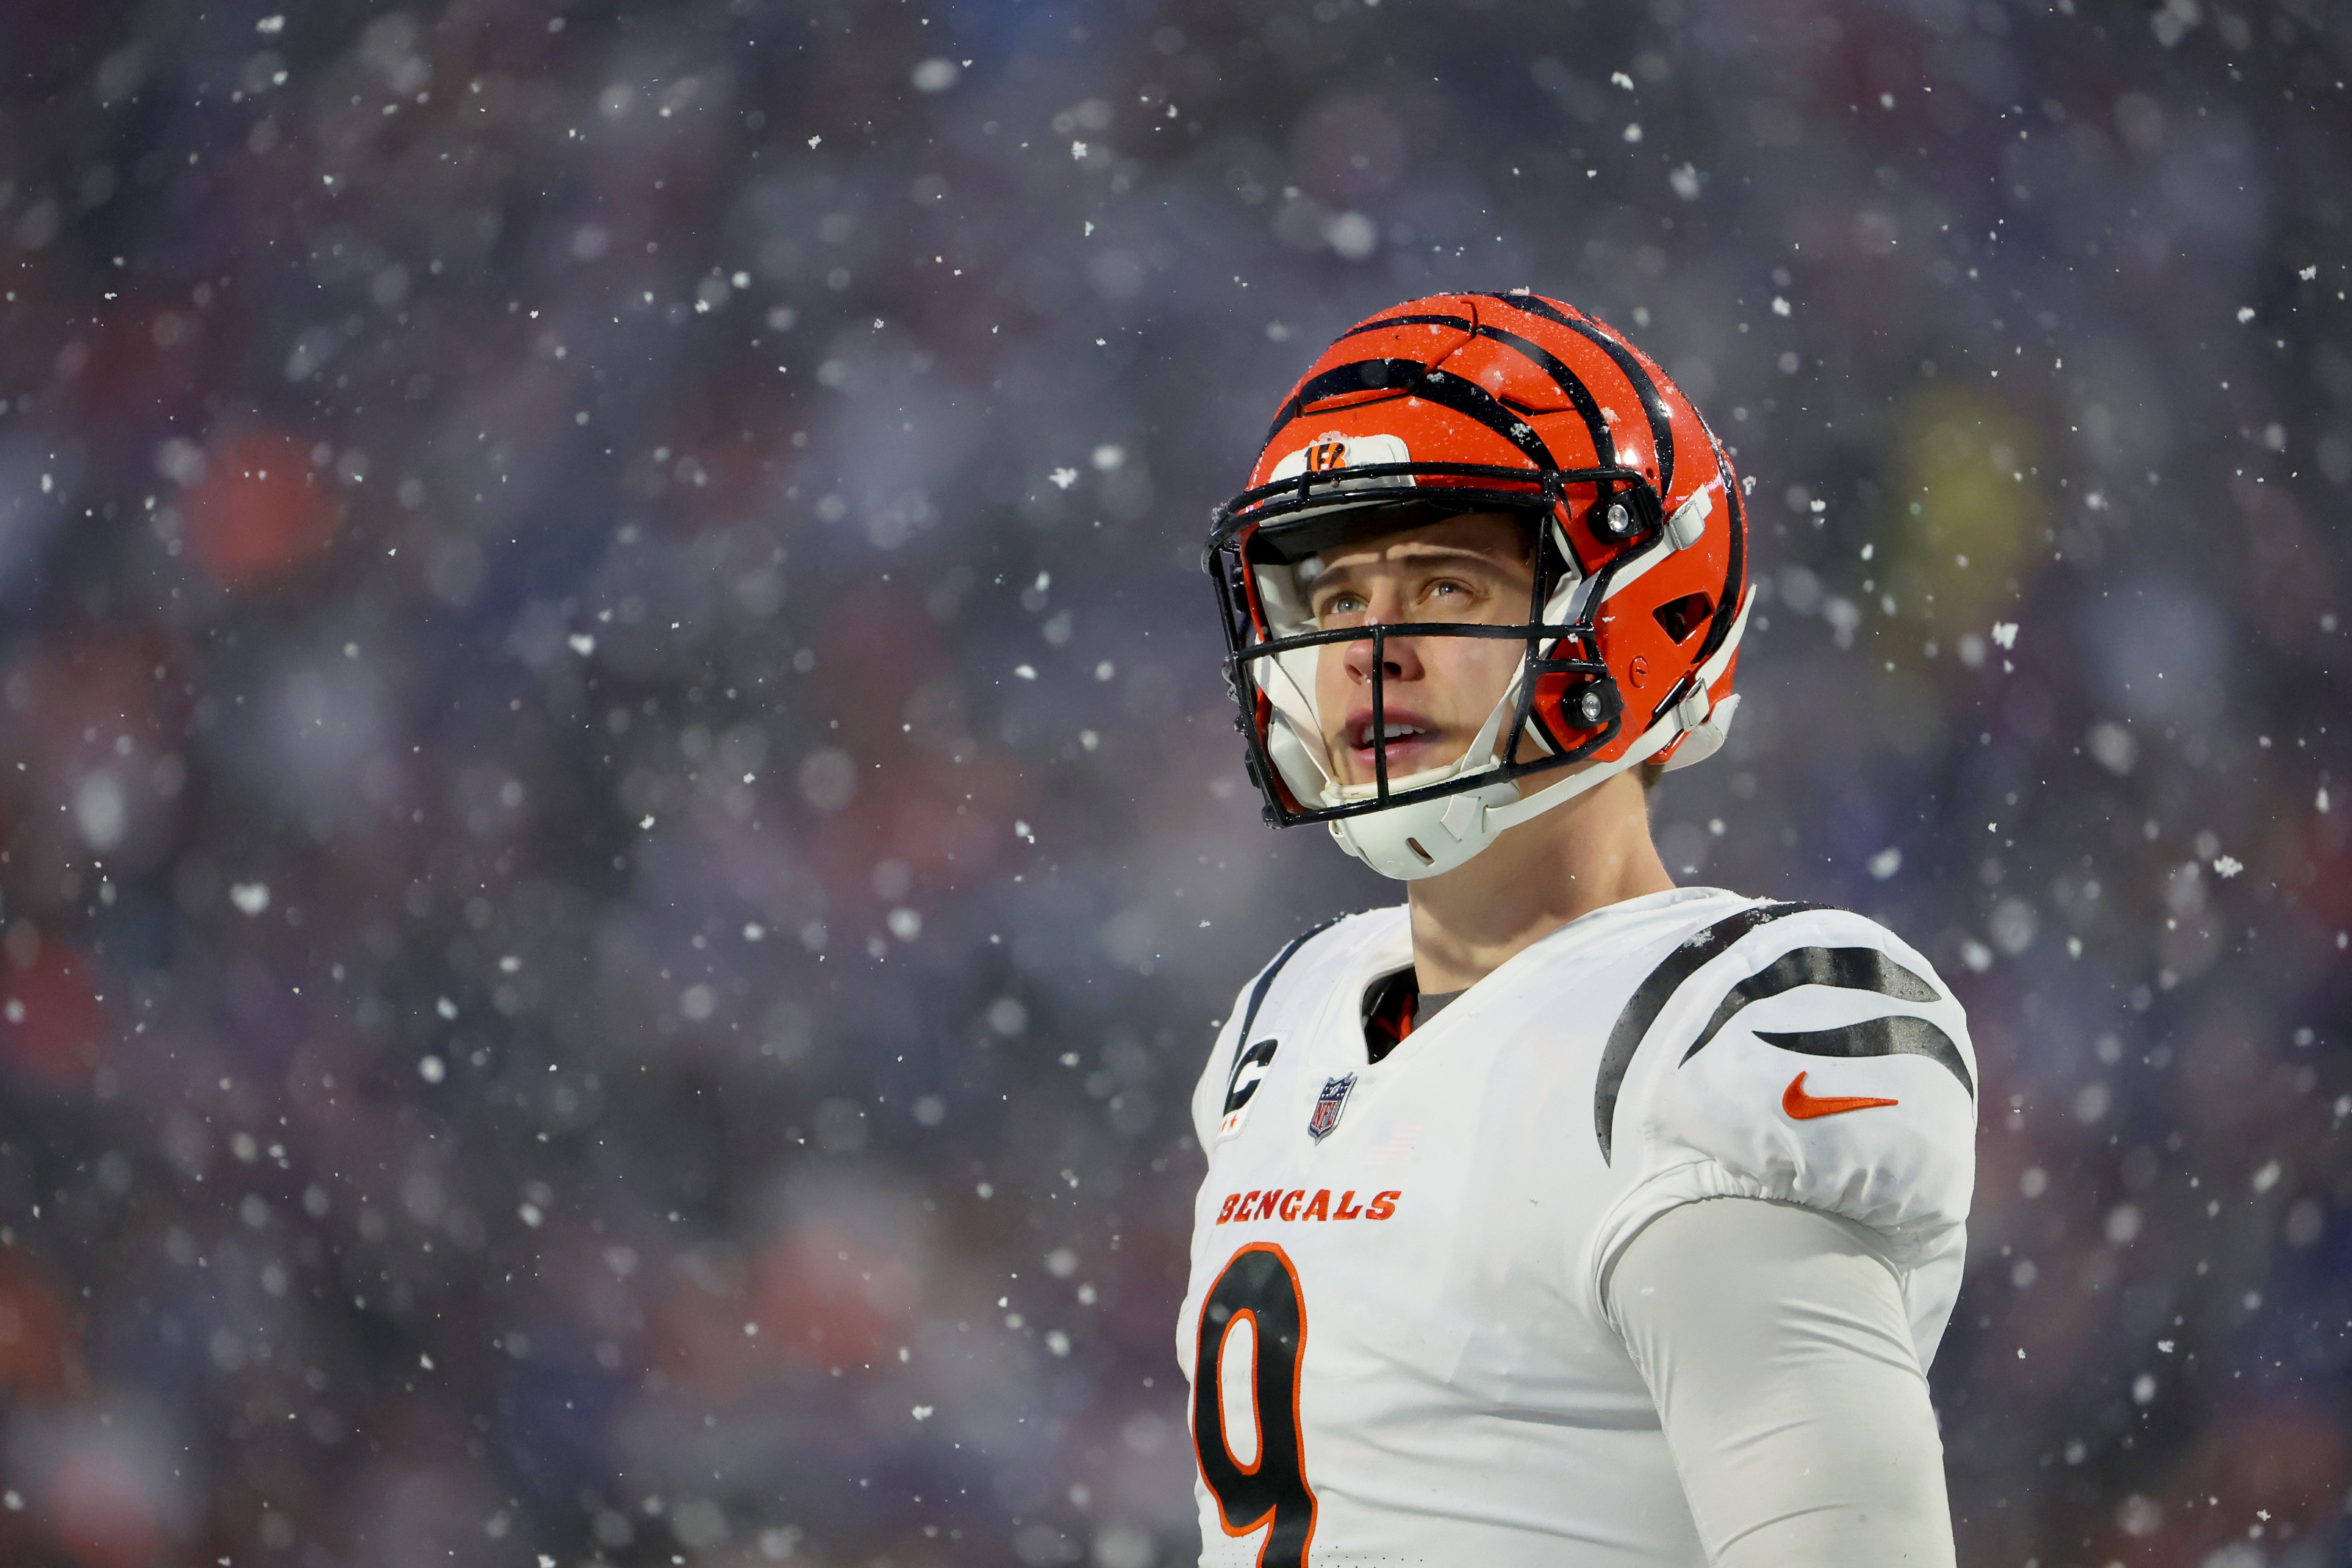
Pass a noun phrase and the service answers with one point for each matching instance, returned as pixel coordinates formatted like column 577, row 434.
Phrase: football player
column 1559, row 1215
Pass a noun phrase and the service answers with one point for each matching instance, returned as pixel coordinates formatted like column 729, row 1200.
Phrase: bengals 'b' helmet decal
column 1485, row 402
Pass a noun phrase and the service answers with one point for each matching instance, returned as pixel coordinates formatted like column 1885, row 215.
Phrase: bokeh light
column 620, row 839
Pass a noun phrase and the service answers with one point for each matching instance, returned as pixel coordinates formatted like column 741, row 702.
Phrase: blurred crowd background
column 619, row 839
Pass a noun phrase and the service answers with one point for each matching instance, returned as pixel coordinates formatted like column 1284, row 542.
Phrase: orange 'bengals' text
column 1299, row 1204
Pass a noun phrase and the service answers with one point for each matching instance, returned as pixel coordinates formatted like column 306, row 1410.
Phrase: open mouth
column 1403, row 746
column 1390, row 735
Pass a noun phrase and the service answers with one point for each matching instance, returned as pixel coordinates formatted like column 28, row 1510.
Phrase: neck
column 1586, row 854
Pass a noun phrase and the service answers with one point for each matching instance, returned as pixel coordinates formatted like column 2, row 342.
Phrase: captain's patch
column 1249, row 1068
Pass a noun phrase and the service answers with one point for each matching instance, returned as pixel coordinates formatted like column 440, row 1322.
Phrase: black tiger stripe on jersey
column 1848, row 968
column 1244, row 1052
column 1651, row 997
column 1899, row 1034
column 1266, row 978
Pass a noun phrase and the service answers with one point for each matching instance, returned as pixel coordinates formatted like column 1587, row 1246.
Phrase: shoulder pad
column 1649, row 999
column 1804, row 1054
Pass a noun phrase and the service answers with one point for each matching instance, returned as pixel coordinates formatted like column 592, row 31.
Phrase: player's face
column 1435, row 692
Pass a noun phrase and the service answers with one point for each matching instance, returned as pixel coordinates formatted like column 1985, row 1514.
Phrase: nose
column 1400, row 660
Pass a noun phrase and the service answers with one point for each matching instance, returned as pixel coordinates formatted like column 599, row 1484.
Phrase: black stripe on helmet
column 1466, row 396
column 1363, row 375
column 1604, row 445
column 1653, row 407
column 1460, row 323
column 1459, row 393
column 1571, row 386
column 1735, row 570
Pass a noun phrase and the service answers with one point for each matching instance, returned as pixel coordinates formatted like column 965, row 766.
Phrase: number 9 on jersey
column 1258, row 1283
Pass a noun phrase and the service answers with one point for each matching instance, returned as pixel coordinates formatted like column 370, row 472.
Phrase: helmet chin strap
column 1428, row 838
column 1692, row 715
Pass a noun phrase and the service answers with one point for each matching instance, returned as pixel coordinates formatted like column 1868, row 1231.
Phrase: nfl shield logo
column 1328, row 1106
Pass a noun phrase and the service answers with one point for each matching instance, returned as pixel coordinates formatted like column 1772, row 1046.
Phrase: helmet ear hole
column 1679, row 618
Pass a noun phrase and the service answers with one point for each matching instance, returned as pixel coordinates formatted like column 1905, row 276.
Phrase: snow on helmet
column 1489, row 403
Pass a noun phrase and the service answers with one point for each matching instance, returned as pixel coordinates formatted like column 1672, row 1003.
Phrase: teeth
column 1388, row 732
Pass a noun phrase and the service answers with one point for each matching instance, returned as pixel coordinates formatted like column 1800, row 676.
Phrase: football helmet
column 1489, row 403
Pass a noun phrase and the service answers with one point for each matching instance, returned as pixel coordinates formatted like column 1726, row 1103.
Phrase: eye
column 1342, row 603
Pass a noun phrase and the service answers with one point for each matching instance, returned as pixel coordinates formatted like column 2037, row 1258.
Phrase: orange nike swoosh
column 1804, row 1107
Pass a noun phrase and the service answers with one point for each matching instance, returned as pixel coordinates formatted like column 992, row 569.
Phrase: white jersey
column 1395, row 1328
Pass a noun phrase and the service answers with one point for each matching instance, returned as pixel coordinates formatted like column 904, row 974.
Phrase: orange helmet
column 1490, row 403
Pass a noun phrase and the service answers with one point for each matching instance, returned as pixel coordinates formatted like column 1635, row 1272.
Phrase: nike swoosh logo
column 1804, row 1107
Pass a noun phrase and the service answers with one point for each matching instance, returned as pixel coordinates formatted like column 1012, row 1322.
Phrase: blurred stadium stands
column 621, row 835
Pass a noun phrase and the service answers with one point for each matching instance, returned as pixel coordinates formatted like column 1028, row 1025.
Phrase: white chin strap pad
column 1430, row 837
column 1427, row 838
column 1708, row 739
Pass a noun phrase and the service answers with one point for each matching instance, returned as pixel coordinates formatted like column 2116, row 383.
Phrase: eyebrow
column 1418, row 555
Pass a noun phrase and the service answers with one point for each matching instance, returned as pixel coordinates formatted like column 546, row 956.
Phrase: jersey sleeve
column 1807, row 1057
